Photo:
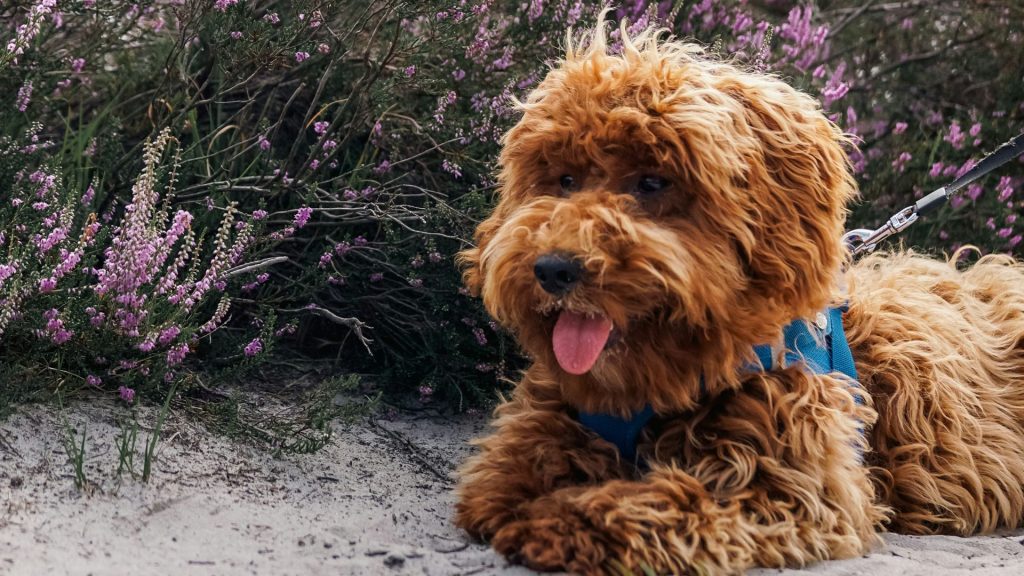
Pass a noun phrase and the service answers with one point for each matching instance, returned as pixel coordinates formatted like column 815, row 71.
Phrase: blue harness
column 824, row 353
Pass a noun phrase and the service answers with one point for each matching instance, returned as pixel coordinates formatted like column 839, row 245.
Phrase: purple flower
column 900, row 163
column 127, row 394
column 1004, row 188
column 410, row 70
column 223, row 5
column 301, row 56
column 974, row 191
column 321, row 127
column 93, row 380
column 376, row 277
column 259, row 214
column 167, row 335
column 302, row 216
column 272, row 17
column 236, row 35
column 325, row 259
column 47, row 285
column 177, row 354
column 253, row 348
column 24, row 96
column 955, row 136
column 899, row 128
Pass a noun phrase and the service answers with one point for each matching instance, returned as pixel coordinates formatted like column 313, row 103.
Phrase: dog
column 664, row 218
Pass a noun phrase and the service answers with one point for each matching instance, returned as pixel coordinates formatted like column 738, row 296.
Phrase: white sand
column 377, row 501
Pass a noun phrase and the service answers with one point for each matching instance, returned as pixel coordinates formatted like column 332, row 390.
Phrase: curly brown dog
column 661, row 215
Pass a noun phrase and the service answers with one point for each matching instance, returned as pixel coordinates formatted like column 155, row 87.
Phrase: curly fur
column 776, row 468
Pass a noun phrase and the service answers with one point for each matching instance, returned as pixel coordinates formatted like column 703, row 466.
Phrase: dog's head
column 660, row 213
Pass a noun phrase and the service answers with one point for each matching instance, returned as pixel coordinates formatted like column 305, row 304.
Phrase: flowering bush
column 118, row 299
column 197, row 179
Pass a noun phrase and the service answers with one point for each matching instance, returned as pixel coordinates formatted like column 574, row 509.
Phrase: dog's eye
column 650, row 184
column 567, row 182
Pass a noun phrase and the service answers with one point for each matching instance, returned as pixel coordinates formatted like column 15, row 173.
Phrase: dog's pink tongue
column 579, row 340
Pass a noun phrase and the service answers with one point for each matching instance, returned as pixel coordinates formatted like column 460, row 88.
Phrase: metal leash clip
column 865, row 240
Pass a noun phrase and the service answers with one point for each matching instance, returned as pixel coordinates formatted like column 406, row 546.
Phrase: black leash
column 864, row 240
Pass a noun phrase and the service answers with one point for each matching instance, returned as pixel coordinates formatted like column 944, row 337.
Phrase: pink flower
column 323, row 48
column 223, row 5
column 167, row 335
column 236, row 35
column 899, row 128
column 127, row 394
column 24, row 96
column 253, row 348
column 955, row 136
column 301, row 56
column 302, row 216
column 177, row 354
column 264, row 144
column 259, row 214
column 974, row 191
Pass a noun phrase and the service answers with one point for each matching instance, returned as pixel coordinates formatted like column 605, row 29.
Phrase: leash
column 864, row 240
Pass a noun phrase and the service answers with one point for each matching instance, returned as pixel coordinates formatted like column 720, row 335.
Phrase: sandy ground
column 377, row 501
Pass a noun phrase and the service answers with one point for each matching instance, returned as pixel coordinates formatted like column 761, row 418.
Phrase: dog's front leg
column 538, row 448
column 767, row 475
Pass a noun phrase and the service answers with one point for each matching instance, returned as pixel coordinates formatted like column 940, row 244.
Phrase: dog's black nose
column 557, row 273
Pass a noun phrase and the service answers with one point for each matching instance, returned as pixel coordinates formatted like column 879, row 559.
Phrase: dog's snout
column 557, row 273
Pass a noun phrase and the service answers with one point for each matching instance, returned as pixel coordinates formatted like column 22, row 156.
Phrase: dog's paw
column 552, row 542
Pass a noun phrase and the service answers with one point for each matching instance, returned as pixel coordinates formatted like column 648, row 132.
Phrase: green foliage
column 354, row 141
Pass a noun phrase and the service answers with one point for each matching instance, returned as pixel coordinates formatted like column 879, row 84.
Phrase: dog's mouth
column 578, row 340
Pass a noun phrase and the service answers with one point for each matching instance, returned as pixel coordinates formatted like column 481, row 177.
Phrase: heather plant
column 925, row 89
column 108, row 301
column 256, row 185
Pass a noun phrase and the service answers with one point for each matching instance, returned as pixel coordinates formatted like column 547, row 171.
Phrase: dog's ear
column 800, row 186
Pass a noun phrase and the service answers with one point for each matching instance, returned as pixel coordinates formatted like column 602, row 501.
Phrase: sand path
column 376, row 501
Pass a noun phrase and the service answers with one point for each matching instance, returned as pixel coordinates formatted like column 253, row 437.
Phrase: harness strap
column 824, row 352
